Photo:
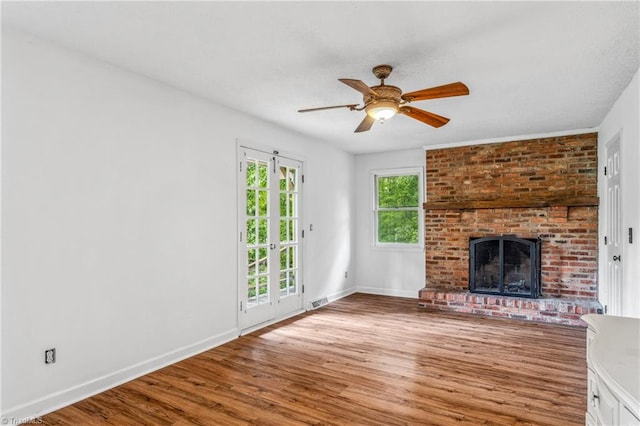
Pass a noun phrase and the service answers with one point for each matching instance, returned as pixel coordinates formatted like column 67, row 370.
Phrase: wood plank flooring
column 363, row 360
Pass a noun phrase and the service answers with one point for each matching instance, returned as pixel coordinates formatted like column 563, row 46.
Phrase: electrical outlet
column 346, row 275
column 50, row 356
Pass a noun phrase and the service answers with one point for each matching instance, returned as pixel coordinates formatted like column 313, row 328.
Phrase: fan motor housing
column 385, row 93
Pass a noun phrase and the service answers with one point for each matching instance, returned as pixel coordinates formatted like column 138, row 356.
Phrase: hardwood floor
column 363, row 360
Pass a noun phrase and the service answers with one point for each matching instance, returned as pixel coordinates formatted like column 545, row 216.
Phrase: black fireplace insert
column 505, row 265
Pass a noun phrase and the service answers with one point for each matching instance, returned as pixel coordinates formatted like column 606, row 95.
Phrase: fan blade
column 365, row 124
column 448, row 90
column 426, row 117
column 360, row 86
column 350, row 106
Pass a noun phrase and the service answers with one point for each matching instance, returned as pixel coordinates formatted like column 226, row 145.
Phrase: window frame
column 378, row 173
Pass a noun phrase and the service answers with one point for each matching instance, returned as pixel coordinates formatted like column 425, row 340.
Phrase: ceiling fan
column 383, row 102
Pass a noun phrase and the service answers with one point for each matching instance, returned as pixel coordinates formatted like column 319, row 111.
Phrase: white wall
column 119, row 223
column 382, row 270
column 624, row 119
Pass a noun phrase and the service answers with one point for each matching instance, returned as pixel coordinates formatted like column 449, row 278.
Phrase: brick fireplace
column 542, row 189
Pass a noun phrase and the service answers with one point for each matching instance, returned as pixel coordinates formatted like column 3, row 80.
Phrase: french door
column 269, row 255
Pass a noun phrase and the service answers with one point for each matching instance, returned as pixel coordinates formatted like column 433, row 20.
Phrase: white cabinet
column 613, row 374
column 592, row 406
column 603, row 405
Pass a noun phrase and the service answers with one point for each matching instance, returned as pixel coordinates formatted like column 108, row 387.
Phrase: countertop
column 614, row 354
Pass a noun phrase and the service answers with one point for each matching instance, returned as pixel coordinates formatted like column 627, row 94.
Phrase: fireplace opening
column 505, row 265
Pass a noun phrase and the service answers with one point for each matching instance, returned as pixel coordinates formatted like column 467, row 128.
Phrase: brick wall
column 551, row 169
column 538, row 168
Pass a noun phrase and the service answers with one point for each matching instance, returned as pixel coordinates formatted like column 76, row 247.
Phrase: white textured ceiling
column 531, row 67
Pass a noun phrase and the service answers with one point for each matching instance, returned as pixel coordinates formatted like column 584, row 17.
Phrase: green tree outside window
column 397, row 208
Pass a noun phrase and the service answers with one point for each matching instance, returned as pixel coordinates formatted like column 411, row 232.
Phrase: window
column 398, row 207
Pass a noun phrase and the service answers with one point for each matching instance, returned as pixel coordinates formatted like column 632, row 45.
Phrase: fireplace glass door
column 504, row 265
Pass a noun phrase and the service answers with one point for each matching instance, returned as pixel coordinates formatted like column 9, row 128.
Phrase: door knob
column 617, row 258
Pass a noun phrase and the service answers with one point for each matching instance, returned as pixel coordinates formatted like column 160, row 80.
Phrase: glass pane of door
column 257, row 231
column 289, row 226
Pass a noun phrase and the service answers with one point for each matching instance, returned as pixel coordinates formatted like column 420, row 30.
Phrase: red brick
column 546, row 168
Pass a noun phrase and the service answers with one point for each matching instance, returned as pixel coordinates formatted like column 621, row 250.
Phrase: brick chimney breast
column 540, row 188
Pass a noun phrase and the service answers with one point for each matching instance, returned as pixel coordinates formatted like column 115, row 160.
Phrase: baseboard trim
column 330, row 298
column 55, row 401
column 343, row 293
column 256, row 327
column 389, row 292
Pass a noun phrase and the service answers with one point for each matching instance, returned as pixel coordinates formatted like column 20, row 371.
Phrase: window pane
column 251, row 293
column 291, row 181
column 262, row 203
column 251, row 263
column 263, row 235
column 398, row 226
column 283, row 259
column 262, row 257
column 283, row 204
column 283, row 178
column 292, row 205
column 251, row 202
column 263, row 289
column 251, row 173
column 263, row 175
column 263, row 266
column 283, row 231
column 398, row 191
column 251, row 231
column 292, row 230
column 292, row 282
column 292, row 257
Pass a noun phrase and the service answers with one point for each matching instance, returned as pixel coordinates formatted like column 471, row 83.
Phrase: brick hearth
column 542, row 188
column 556, row 310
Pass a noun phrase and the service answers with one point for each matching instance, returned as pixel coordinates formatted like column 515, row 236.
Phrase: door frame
column 241, row 146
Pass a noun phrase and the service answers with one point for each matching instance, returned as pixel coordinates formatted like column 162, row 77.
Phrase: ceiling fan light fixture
column 382, row 110
column 382, row 102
